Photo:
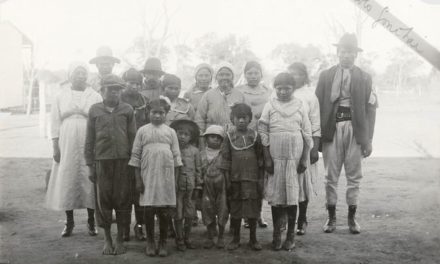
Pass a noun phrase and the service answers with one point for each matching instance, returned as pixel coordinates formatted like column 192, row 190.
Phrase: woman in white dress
column 69, row 187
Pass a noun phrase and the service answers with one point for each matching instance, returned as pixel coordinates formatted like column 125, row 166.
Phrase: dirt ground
column 399, row 214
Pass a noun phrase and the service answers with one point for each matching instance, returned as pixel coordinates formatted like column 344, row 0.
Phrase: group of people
column 127, row 141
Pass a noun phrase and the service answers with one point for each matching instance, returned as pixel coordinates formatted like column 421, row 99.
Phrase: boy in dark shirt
column 111, row 129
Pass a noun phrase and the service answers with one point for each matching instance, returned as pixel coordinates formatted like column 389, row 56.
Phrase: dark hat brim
column 96, row 60
column 349, row 47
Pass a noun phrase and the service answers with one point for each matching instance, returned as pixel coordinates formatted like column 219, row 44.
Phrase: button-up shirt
column 110, row 134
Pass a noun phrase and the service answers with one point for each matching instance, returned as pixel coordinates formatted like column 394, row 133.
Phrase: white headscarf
column 226, row 65
column 75, row 65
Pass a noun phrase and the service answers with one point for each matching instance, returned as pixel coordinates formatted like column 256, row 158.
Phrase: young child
column 188, row 183
column 286, row 135
column 242, row 161
column 157, row 161
column 180, row 108
column 214, row 206
column 132, row 96
column 111, row 128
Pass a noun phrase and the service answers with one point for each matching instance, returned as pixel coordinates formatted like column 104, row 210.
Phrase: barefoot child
column 286, row 135
column 214, row 207
column 189, row 181
column 111, row 129
column 157, row 161
column 243, row 163
column 132, row 96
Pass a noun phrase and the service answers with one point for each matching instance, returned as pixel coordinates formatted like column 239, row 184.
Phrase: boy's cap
column 190, row 125
column 112, row 80
column 215, row 130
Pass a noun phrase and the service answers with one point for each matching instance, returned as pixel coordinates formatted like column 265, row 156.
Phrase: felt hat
column 348, row 41
column 112, row 80
column 153, row 65
column 104, row 54
column 191, row 126
column 171, row 80
column 215, row 130
column 132, row 75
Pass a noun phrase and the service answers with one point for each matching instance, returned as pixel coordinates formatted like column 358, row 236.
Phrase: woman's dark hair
column 299, row 66
column 239, row 110
column 157, row 104
column 284, row 78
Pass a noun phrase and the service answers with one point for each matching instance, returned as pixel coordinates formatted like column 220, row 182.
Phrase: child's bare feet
column 108, row 248
column 108, row 243
column 120, row 248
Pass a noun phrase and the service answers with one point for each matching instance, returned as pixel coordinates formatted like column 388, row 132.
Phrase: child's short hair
column 284, row 78
column 170, row 80
column 190, row 126
column 158, row 103
column 239, row 110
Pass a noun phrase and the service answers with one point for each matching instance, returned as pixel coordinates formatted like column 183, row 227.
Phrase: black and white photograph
column 220, row 131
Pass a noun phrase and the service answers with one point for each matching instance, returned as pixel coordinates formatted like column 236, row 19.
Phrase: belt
column 343, row 114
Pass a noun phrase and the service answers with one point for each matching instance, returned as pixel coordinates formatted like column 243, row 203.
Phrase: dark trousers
column 112, row 191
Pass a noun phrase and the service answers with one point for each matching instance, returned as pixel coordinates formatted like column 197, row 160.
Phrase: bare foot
column 119, row 248
column 108, row 248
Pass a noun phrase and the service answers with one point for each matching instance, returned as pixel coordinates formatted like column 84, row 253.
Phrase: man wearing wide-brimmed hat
column 348, row 112
column 105, row 62
column 152, row 72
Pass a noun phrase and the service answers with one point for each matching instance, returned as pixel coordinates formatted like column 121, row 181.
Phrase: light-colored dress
column 215, row 108
column 156, row 152
column 69, row 187
column 256, row 98
column 285, row 128
column 308, row 179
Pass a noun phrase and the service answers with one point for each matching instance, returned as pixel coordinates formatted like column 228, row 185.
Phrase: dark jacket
column 110, row 135
column 363, row 113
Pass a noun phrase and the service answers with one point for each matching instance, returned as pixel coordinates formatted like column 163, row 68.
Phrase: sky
column 63, row 30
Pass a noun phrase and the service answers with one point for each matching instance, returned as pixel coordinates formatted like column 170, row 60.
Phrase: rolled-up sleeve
column 136, row 152
column 263, row 125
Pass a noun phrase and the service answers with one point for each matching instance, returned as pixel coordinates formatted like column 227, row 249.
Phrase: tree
column 155, row 23
column 213, row 49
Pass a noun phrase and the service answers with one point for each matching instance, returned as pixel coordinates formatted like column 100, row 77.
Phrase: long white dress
column 69, row 187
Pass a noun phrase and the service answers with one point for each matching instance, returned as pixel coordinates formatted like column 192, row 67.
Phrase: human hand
column 268, row 166
column 367, row 149
column 56, row 151
column 314, row 156
column 140, row 188
column 301, row 168
column 197, row 194
column 92, row 174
